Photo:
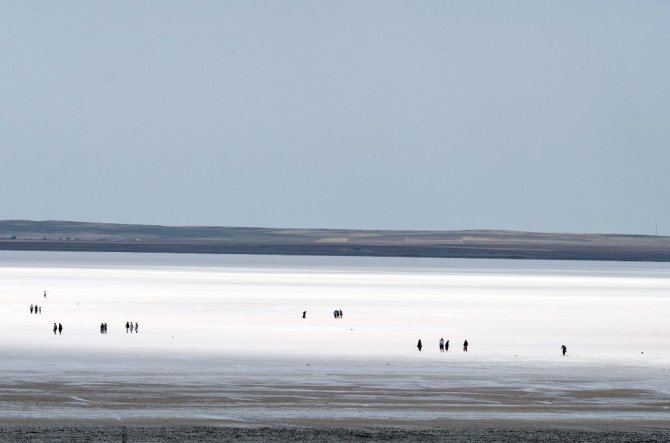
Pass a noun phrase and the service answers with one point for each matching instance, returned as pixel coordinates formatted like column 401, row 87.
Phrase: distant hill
column 80, row 236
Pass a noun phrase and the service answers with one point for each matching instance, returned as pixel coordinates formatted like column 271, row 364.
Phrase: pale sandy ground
column 222, row 343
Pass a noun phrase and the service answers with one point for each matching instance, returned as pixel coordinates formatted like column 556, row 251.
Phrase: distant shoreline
column 26, row 235
column 436, row 251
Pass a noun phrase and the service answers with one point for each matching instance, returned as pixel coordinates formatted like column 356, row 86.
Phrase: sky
column 441, row 115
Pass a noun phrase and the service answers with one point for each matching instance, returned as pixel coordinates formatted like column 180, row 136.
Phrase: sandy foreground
column 69, row 433
column 224, row 355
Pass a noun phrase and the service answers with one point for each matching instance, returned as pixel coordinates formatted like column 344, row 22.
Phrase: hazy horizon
column 333, row 229
column 430, row 115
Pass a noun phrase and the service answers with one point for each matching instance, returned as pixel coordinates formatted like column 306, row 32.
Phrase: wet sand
column 134, row 390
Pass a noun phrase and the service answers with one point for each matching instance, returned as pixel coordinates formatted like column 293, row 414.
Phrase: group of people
column 337, row 314
column 444, row 346
column 103, row 327
column 58, row 327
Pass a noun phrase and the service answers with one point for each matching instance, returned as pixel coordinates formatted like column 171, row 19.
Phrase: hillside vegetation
column 81, row 236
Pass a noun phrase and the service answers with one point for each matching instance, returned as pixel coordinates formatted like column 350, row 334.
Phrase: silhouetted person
column 45, row 294
column 127, row 327
column 446, row 346
column 465, row 346
column 137, row 328
column 564, row 349
column 40, row 309
column 31, row 309
column 441, row 345
column 131, row 327
column 419, row 345
column 341, row 314
column 304, row 314
column 60, row 329
column 55, row 328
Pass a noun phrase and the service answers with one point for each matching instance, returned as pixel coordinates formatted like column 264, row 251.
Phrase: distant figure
column 31, row 309
column 304, row 314
column 564, row 349
column 465, row 346
column 102, row 328
column 137, row 328
column 419, row 345
column 446, row 346
column 55, row 328
column 60, row 329
column 40, row 309
column 127, row 327
column 105, row 327
column 45, row 294
column 336, row 313
column 131, row 327
column 441, row 345
column 341, row 314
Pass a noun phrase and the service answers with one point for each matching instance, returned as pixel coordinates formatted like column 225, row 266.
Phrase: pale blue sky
column 528, row 115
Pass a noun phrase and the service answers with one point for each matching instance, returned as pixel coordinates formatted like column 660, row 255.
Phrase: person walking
column 446, row 346
column 127, row 327
column 40, row 309
column 564, row 349
column 137, row 328
column 55, row 328
column 442, row 345
column 60, row 329
column 465, row 346
column 419, row 345
column 131, row 327
column 304, row 314
column 31, row 308
column 45, row 294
